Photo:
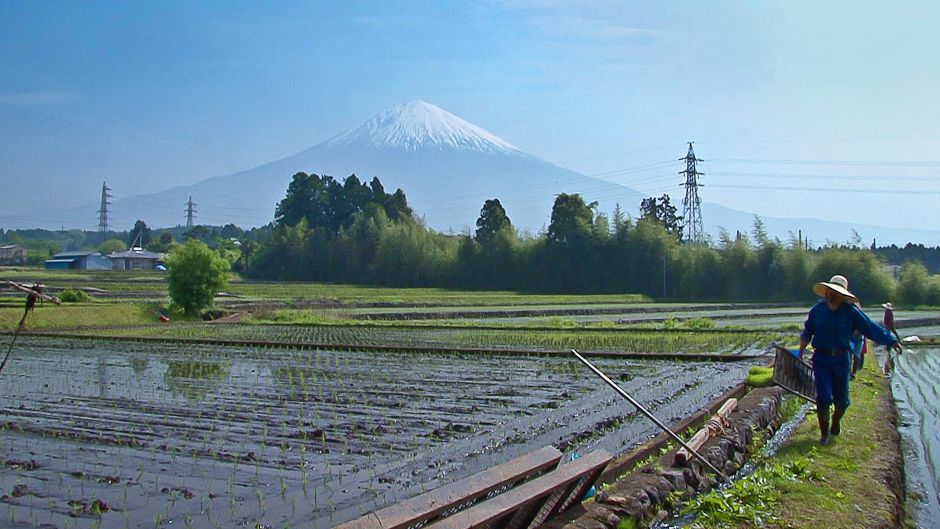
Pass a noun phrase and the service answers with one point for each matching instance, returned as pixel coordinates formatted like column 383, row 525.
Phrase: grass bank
column 855, row 482
column 862, row 471
column 75, row 315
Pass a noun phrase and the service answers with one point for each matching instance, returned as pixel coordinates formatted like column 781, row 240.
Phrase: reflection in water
column 102, row 370
column 139, row 364
column 194, row 379
column 916, row 388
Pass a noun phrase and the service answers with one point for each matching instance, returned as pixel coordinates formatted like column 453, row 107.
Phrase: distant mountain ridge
column 447, row 167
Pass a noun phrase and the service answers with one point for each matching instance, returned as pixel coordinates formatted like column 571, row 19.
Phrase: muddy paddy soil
column 100, row 433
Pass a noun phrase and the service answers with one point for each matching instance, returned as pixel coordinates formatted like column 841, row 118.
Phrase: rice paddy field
column 105, row 433
column 320, row 403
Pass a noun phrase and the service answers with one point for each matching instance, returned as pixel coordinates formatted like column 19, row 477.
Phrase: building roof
column 11, row 247
column 135, row 253
column 75, row 255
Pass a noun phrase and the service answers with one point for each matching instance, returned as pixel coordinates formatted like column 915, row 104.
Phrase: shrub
column 195, row 273
column 700, row 323
column 72, row 295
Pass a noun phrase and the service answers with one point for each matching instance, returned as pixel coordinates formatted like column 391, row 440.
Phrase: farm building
column 135, row 259
column 78, row 261
column 13, row 254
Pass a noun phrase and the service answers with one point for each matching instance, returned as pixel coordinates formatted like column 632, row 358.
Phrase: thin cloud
column 595, row 29
column 605, row 23
column 36, row 98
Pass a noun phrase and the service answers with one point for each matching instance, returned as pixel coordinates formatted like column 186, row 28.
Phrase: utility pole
column 103, row 210
column 692, row 204
column 190, row 212
column 664, row 273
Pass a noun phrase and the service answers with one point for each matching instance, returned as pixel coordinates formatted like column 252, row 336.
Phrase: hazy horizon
column 799, row 110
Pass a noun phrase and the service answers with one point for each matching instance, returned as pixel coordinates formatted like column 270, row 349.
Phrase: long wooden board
column 455, row 497
column 530, row 504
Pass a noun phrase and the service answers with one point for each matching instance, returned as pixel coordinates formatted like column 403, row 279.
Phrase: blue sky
column 838, row 97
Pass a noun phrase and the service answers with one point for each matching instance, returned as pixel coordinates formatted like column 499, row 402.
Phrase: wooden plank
column 531, row 503
column 451, row 498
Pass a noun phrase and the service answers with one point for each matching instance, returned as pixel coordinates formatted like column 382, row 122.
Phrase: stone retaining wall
column 641, row 494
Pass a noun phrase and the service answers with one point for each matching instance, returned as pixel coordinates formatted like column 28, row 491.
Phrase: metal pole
column 652, row 417
column 664, row 273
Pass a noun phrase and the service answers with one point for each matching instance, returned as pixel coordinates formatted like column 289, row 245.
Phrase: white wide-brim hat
column 888, row 305
column 838, row 284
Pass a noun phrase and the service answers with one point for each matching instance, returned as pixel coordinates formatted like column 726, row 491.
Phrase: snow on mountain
column 447, row 167
column 418, row 125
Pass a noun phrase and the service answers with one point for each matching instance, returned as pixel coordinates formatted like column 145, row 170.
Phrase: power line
column 825, row 176
column 827, row 189
column 864, row 163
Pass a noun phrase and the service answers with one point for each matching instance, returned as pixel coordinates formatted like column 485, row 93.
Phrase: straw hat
column 837, row 283
column 888, row 305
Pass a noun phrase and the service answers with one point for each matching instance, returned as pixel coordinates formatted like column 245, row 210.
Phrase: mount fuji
column 448, row 168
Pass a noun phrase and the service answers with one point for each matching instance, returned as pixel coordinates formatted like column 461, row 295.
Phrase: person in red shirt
column 888, row 323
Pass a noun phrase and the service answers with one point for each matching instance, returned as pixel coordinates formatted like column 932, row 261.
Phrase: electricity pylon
column 692, row 204
column 103, row 210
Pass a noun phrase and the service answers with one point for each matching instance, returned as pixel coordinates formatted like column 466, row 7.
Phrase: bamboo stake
column 713, row 427
column 28, row 290
column 649, row 415
column 33, row 294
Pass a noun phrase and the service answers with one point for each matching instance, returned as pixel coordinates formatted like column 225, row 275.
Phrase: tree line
column 349, row 232
column 352, row 232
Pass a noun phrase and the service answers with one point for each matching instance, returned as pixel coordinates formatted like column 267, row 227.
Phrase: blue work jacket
column 832, row 330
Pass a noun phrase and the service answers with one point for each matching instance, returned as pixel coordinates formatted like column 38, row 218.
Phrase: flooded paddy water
column 916, row 387
column 105, row 433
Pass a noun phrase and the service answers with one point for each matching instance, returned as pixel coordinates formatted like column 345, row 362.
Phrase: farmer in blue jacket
column 830, row 325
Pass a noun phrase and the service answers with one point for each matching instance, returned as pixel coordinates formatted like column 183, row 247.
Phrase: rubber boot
column 822, row 414
column 836, row 417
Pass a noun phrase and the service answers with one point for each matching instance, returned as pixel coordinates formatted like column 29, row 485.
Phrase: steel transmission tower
column 692, row 204
column 103, row 210
column 190, row 212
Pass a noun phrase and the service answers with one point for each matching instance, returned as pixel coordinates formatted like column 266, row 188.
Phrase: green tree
column 759, row 232
column 492, row 221
column 571, row 218
column 195, row 273
column 199, row 233
column 867, row 279
column 38, row 250
column 662, row 211
column 139, row 235
column 914, row 284
column 162, row 243
column 231, row 231
column 111, row 245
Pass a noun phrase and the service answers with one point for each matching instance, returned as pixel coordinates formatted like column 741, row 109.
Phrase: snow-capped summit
column 447, row 167
column 418, row 125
